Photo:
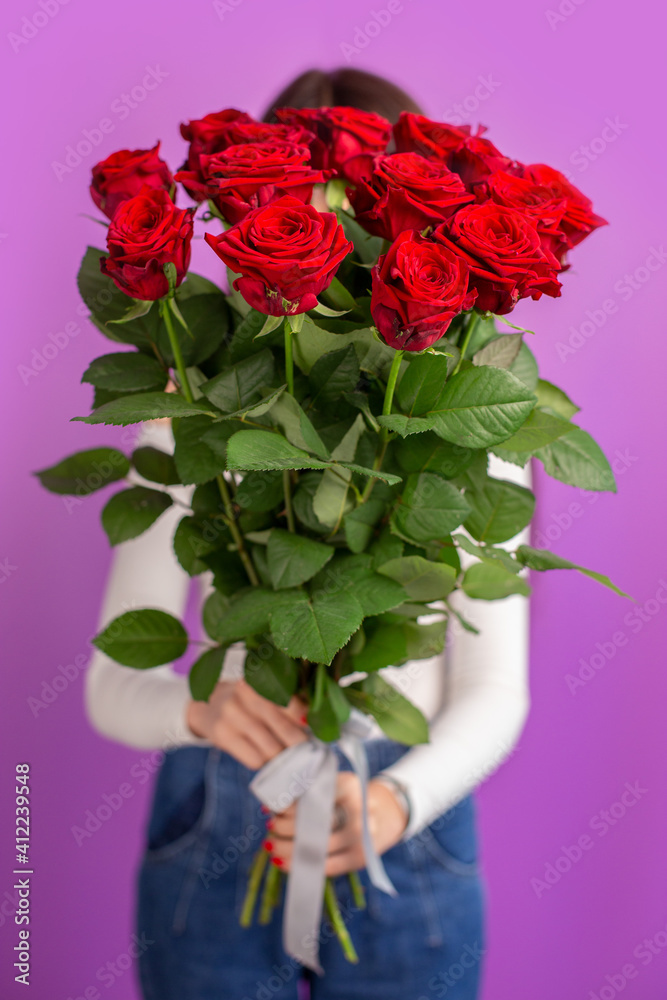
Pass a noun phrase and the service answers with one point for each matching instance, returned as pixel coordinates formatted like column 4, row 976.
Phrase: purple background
column 553, row 80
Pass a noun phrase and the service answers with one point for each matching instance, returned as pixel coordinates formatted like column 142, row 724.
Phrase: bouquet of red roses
column 334, row 411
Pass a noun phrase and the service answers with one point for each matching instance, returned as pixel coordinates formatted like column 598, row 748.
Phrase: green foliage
column 84, row 472
column 143, row 638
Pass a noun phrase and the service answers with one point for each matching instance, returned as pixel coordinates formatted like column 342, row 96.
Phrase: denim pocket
column 182, row 802
column 451, row 839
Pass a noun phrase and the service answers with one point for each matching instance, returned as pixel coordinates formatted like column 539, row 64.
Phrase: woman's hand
column 386, row 820
column 250, row 728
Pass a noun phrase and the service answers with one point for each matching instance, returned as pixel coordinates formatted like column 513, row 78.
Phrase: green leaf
column 331, row 497
column 366, row 246
column 422, row 579
column 195, row 460
column 145, row 406
column 195, row 538
column 263, row 450
column 524, row 367
column 240, row 385
column 130, row 512
column 271, row 673
column 257, row 409
column 297, row 427
column 126, row 371
column 271, row 323
column 155, row 465
column 425, row 641
column 333, row 374
column 137, row 309
column 539, row 429
column 206, row 317
column 293, row 559
column 143, row 638
column 260, row 491
column 358, row 525
column 337, row 699
column 500, row 509
column 487, row 553
column 421, row 385
column 107, row 303
column 205, row 673
column 397, row 717
column 429, row 453
column 542, row 559
column 246, row 613
column 338, row 295
column 243, row 342
column 315, row 627
column 553, row 398
column 385, row 647
column 85, row 471
column 481, row 406
column 491, row 581
column 429, row 509
column 356, row 574
column 576, row 459
column 501, row 352
column 322, row 715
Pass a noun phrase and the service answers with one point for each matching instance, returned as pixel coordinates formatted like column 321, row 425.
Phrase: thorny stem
column 386, row 411
column 254, row 879
column 236, row 531
column 472, row 323
column 176, row 350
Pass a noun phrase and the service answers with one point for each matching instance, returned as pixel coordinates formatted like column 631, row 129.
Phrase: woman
column 205, row 826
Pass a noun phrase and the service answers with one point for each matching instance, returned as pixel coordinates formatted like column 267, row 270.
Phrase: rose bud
column 250, row 175
column 504, row 253
column 286, row 254
column 418, row 288
column 123, row 174
column 406, row 191
column 147, row 232
column 346, row 140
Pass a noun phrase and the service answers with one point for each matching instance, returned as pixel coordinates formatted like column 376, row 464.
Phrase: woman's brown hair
column 353, row 88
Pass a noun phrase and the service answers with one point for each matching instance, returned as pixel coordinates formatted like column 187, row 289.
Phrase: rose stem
column 176, row 349
column 357, row 891
column 270, row 894
column 254, row 878
column 287, row 487
column 386, row 410
column 337, row 922
column 236, row 533
column 472, row 323
column 289, row 360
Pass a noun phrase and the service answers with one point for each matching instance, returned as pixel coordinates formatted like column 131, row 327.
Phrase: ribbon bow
column 306, row 774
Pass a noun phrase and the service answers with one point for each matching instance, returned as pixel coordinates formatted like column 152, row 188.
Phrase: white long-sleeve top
column 475, row 694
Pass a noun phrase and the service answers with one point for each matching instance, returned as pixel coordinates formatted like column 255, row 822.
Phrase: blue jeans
column 205, row 827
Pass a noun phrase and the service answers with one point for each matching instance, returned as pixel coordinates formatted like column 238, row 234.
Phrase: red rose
column 504, row 253
column 542, row 205
column 248, row 176
column 125, row 173
column 418, row 288
column 578, row 220
column 286, row 253
column 147, row 232
column 346, row 139
column 204, row 134
column 470, row 156
column 406, row 191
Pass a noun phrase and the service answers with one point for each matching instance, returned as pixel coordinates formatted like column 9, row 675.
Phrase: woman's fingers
column 284, row 724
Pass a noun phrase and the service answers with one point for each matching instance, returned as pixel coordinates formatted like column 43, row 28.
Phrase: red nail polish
column 278, row 862
column 304, row 719
column 269, row 824
column 268, row 845
column 264, row 809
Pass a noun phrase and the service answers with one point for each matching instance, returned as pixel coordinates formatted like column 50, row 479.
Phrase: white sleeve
column 143, row 708
column 487, row 697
